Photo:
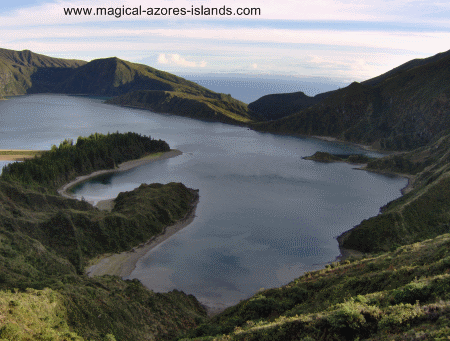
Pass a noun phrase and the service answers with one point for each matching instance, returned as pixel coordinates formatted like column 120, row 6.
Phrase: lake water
column 265, row 215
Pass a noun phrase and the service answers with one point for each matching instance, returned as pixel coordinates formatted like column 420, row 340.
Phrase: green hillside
column 113, row 76
column 23, row 72
column 421, row 213
column 400, row 112
column 46, row 242
column 211, row 107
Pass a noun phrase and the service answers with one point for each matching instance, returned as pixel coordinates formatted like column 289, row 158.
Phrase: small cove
column 265, row 215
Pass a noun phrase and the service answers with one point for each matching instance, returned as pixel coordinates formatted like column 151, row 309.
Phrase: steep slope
column 24, row 72
column 406, row 66
column 275, row 106
column 404, row 111
column 113, row 76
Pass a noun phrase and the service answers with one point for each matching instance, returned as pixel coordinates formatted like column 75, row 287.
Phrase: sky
column 338, row 40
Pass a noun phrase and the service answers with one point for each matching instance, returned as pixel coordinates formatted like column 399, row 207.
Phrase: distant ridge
column 272, row 107
column 25, row 72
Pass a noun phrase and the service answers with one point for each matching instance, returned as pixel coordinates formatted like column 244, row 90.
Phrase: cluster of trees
column 98, row 151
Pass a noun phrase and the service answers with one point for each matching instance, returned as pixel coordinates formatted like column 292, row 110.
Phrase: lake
column 265, row 215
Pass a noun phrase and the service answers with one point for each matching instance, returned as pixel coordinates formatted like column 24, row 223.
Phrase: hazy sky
column 341, row 40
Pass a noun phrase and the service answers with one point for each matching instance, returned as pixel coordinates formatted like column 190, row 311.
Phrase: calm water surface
column 265, row 215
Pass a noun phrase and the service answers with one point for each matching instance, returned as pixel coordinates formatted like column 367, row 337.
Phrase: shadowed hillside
column 273, row 107
column 23, row 72
column 403, row 111
column 113, row 76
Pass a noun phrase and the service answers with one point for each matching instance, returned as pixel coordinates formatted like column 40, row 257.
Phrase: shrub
column 399, row 315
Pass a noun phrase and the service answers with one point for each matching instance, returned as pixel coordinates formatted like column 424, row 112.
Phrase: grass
column 19, row 154
column 215, row 107
column 34, row 314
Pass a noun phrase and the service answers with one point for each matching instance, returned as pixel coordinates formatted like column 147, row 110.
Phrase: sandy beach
column 64, row 190
column 123, row 264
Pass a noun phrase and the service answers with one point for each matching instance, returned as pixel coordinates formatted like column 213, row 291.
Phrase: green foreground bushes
column 391, row 296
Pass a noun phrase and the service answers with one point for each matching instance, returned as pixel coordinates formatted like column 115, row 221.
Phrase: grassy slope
column 22, row 72
column 400, row 295
column 214, row 107
column 404, row 111
column 113, row 76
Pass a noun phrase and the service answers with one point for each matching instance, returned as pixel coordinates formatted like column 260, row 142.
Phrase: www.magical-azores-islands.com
column 161, row 11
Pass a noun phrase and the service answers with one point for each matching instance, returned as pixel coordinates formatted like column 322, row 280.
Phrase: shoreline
column 348, row 253
column 122, row 264
column 64, row 190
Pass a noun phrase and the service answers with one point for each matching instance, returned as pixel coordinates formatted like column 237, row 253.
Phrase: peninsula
column 48, row 240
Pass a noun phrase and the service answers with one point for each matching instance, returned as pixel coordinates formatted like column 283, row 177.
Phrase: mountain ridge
column 25, row 72
column 401, row 112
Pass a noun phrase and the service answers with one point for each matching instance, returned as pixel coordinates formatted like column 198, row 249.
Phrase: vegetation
column 327, row 157
column 64, row 163
column 399, row 290
column 114, row 76
column 23, row 72
column 399, row 295
column 26, row 72
column 47, row 240
column 418, row 215
column 18, row 154
column 218, row 107
column 400, row 111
